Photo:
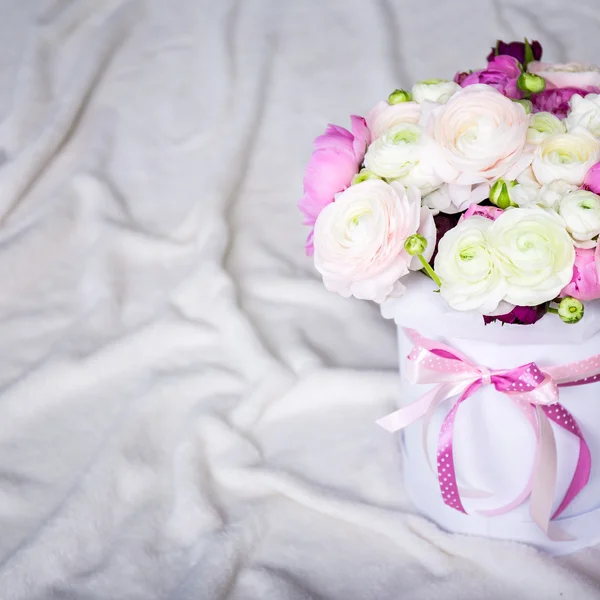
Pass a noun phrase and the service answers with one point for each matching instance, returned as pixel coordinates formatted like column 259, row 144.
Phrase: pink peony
column 556, row 101
column 336, row 158
column 585, row 284
column 489, row 212
column 592, row 179
column 502, row 73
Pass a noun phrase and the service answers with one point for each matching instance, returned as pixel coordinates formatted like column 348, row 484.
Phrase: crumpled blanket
column 185, row 412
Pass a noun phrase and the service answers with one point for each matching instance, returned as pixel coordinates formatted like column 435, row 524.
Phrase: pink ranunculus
column 585, row 284
column 336, row 159
column 592, row 179
column 359, row 239
column 570, row 75
column 502, row 73
column 556, row 101
column 480, row 136
column 489, row 212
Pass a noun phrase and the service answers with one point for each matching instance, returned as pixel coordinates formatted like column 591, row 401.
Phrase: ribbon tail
column 562, row 417
column 403, row 417
column 443, row 392
column 529, row 413
column 544, row 482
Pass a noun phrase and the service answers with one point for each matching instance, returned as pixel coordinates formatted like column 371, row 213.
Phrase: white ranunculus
column 396, row 152
column 401, row 154
column 585, row 112
column 384, row 116
column 581, row 212
column 359, row 239
column 546, row 196
column 566, row 156
column 450, row 198
column 434, row 90
column 542, row 125
column 480, row 136
column 534, row 253
column 466, row 267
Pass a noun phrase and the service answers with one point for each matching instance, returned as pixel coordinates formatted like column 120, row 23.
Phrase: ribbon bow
column 533, row 391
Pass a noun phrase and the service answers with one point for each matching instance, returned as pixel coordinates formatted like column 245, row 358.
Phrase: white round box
column 493, row 444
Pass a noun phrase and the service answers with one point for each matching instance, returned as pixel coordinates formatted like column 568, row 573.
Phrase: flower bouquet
column 470, row 209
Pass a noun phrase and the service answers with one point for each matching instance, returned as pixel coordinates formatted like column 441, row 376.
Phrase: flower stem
column 554, row 311
column 429, row 270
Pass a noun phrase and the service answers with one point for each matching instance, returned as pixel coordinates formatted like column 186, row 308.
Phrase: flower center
column 406, row 136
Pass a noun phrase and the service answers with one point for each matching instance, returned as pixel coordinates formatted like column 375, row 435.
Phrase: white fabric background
column 185, row 412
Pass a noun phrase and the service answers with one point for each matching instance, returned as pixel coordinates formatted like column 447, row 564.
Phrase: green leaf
column 528, row 53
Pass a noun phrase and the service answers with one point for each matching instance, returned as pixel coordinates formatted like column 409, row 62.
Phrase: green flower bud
column 415, row 244
column 529, row 82
column 526, row 104
column 364, row 175
column 500, row 194
column 570, row 310
column 399, row 96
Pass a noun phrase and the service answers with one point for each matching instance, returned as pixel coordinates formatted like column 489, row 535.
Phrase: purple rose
column 556, row 101
column 502, row 73
column 443, row 224
column 520, row 315
column 516, row 50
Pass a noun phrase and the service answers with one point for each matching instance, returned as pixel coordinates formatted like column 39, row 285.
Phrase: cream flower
column 451, row 198
column 434, row 90
column 396, row 152
column 546, row 196
column 359, row 239
column 466, row 267
column 542, row 125
column 534, row 253
column 401, row 153
column 585, row 112
column 480, row 136
column 384, row 116
column 581, row 212
column 566, row 156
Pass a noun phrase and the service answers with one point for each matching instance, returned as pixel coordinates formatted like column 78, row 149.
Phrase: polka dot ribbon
column 533, row 390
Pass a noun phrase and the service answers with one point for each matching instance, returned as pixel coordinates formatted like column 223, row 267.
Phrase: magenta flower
column 556, row 100
column 592, row 179
column 520, row 315
column 516, row 50
column 502, row 73
column 585, row 284
column 336, row 159
column 443, row 223
column 488, row 212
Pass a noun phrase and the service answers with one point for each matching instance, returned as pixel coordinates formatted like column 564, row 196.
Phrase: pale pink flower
column 359, row 239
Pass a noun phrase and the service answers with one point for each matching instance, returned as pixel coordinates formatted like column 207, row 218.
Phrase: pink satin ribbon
column 533, row 390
